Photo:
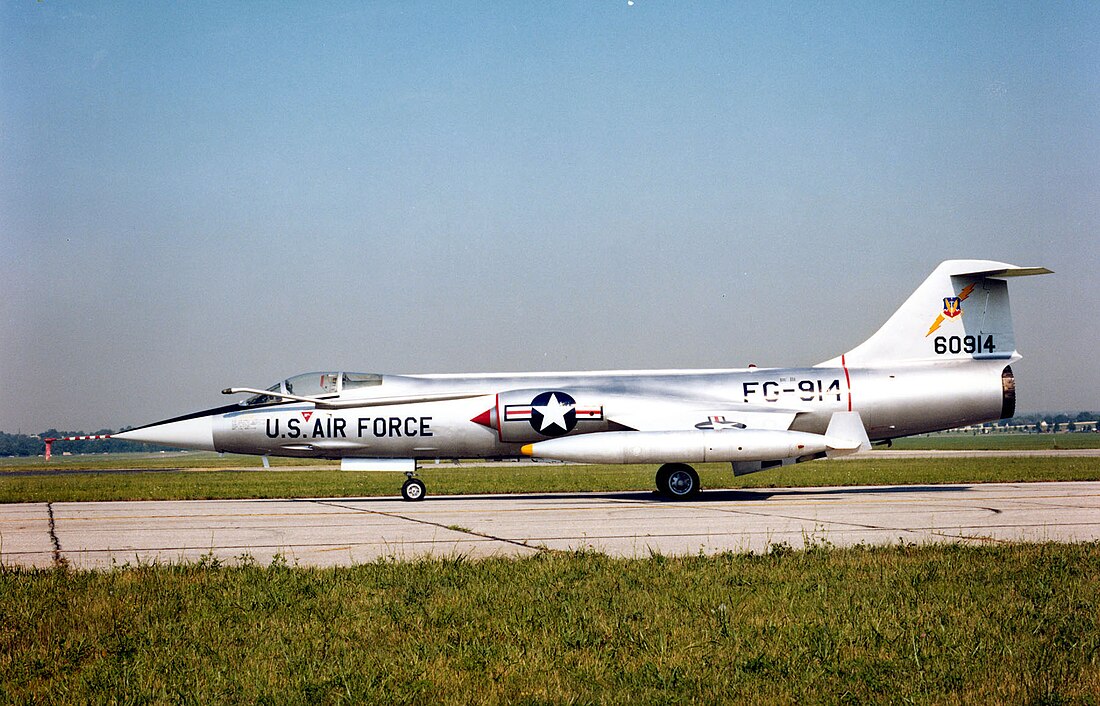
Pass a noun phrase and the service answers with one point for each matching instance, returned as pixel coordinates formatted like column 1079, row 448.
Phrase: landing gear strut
column 677, row 481
column 413, row 488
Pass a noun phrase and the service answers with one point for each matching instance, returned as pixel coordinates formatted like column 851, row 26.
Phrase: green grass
column 941, row 624
column 998, row 442
column 169, row 459
column 921, row 471
column 1000, row 624
column 527, row 478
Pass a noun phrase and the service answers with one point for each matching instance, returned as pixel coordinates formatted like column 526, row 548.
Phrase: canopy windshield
column 317, row 385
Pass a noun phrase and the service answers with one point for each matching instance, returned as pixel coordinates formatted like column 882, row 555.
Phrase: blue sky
column 200, row 195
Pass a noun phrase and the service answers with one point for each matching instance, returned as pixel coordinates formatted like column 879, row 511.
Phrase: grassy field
column 169, row 459
column 902, row 624
column 525, row 478
column 999, row 442
column 209, row 475
column 942, row 624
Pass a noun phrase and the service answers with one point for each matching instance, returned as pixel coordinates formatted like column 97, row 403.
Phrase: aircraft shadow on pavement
column 756, row 493
column 651, row 496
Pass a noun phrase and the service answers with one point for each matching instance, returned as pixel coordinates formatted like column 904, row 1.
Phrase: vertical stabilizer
column 961, row 311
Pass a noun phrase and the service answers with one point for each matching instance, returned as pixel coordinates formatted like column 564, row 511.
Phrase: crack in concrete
column 58, row 560
column 452, row 528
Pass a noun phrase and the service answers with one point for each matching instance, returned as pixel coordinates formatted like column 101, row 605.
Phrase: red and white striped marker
column 91, row 437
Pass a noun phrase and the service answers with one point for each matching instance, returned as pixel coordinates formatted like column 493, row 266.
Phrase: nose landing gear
column 413, row 489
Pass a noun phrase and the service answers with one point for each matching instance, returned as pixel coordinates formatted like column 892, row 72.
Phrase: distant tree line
column 27, row 445
column 1053, row 420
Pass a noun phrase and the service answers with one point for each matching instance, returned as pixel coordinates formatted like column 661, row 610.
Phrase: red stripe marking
column 847, row 380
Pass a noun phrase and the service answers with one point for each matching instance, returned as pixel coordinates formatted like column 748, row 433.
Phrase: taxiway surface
column 342, row 531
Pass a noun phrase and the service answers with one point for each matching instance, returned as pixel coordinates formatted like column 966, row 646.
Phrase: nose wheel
column 413, row 489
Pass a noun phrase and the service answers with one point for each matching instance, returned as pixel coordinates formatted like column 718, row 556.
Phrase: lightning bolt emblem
column 939, row 319
column 935, row 325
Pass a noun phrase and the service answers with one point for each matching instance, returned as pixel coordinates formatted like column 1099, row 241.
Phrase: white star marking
column 553, row 413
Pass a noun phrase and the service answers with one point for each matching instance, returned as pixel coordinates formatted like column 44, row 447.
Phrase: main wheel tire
column 662, row 479
column 413, row 490
column 678, row 481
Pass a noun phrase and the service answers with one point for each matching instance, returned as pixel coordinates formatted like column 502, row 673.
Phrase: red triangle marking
column 307, row 415
column 484, row 419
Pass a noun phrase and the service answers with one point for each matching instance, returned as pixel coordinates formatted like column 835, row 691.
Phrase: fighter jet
column 941, row 361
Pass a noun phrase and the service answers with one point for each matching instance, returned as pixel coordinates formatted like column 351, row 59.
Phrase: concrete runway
column 343, row 531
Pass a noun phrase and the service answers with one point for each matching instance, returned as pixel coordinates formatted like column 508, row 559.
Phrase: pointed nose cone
column 194, row 433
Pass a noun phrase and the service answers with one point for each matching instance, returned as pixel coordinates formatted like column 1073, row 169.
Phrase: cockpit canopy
column 316, row 385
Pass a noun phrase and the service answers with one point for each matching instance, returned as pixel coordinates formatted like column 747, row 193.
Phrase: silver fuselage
column 893, row 402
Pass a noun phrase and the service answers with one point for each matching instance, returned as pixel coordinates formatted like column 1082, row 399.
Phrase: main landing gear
column 677, row 481
column 413, row 488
